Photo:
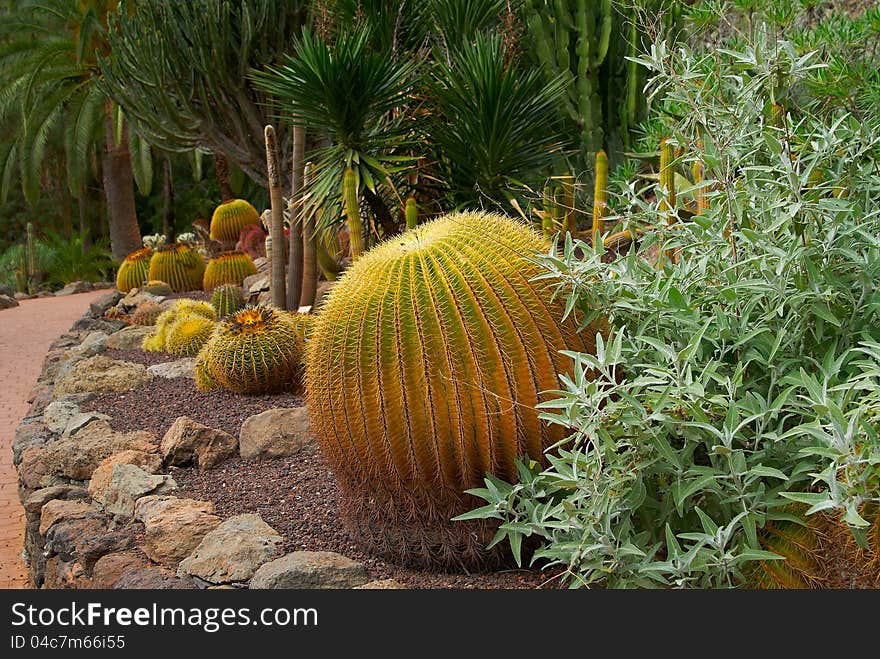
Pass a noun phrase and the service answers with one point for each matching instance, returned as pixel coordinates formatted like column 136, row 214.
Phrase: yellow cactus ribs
column 187, row 335
column 256, row 350
column 228, row 268
column 156, row 341
column 423, row 372
column 179, row 265
column 133, row 270
column 230, row 218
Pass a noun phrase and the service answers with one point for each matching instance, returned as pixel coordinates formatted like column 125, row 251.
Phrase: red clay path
column 25, row 334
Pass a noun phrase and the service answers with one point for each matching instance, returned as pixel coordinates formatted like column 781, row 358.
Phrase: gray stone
column 152, row 578
column 99, row 482
column 73, row 288
column 127, row 484
column 33, row 505
column 7, row 302
column 58, row 413
column 5, row 290
column 255, row 284
column 101, row 374
column 29, row 435
column 190, row 442
column 233, row 551
column 274, row 433
column 81, row 420
column 179, row 368
column 93, row 344
column 100, row 304
column 310, row 569
column 128, row 338
column 136, row 298
column 58, row 509
column 175, row 527
column 108, row 569
column 97, row 325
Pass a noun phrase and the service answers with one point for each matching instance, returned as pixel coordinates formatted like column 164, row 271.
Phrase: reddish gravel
column 140, row 356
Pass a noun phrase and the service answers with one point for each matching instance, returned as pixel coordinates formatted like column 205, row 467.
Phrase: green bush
column 742, row 377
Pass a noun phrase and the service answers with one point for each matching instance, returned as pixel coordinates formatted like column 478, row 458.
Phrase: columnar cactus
column 133, row 270
column 423, row 373
column 227, row 299
column 230, row 218
column 352, row 213
column 188, row 334
column 411, row 212
column 179, row 265
column 256, row 350
column 600, row 195
column 228, row 268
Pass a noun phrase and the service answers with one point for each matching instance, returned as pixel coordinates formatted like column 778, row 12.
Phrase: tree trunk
column 85, row 231
column 167, row 201
column 295, row 262
column 221, row 169
column 125, row 235
column 276, row 229
column 310, row 253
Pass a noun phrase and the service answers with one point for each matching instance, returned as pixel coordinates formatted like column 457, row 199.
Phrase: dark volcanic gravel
column 296, row 495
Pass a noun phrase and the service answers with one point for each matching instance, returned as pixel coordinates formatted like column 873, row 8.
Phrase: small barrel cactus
column 133, row 270
column 227, row 299
column 256, row 350
column 188, row 334
column 228, row 268
column 178, row 264
column 424, row 370
column 146, row 314
column 155, row 341
column 230, row 218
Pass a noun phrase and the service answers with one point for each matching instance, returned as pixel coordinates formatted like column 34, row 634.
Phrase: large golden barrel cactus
column 156, row 341
column 133, row 270
column 179, row 265
column 230, row 218
column 423, row 372
column 188, row 334
column 228, row 268
column 256, row 350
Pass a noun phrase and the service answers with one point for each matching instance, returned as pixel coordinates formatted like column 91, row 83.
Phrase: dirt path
column 25, row 334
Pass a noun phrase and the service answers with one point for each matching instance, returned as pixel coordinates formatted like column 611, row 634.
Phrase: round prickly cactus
column 256, row 350
column 227, row 299
column 423, row 372
column 155, row 341
column 228, row 268
column 188, row 334
column 146, row 314
column 230, row 218
column 179, row 265
column 133, row 270
column 156, row 287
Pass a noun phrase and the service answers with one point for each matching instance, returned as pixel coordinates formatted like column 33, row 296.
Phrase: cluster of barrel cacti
column 229, row 267
column 134, row 269
column 423, row 372
column 227, row 299
column 166, row 323
column 258, row 349
column 179, row 265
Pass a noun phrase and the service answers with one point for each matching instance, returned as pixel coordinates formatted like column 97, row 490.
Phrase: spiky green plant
column 230, row 218
column 187, row 335
column 133, row 270
column 228, row 268
column 423, row 373
column 155, row 341
column 227, row 299
column 179, row 265
column 146, row 314
column 156, row 287
column 256, row 350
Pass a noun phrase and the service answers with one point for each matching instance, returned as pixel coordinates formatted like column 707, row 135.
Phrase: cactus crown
column 188, row 334
column 424, row 370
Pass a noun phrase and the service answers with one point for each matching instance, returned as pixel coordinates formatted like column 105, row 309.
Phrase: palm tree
column 49, row 84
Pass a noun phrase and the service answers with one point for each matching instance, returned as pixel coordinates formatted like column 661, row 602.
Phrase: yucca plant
column 352, row 95
column 256, row 350
column 228, row 268
column 178, row 264
column 496, row 122
column 423, row 372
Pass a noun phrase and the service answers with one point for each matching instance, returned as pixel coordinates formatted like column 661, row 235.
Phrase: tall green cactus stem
column 133, row 270
column 179, row 265
column 227, row 299
column 256, row 350
column 411, row 211
column 228, row 268
column 566, row 192
column 352, row 213
column 310, row 250
column 31, row 259
column 548, row 215
column 600, row 196
column 423, row 373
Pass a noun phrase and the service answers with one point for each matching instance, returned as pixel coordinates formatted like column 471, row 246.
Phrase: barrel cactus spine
column 228, row 268
column 227, row 299
column 230, row 218
column 133, row 270
column 187, row 335
column 257, row 350
column 179, row 265
column 423, row 372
